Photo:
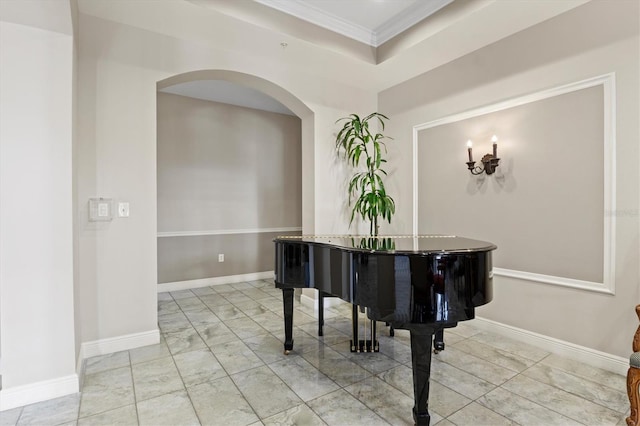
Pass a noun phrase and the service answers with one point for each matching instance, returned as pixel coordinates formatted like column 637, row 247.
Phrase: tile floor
column 220, row 362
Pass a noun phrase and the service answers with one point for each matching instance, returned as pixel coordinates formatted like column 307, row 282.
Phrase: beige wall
column 225, row 173
column 592, row 40
column 119, row 69
column 196, row 257
column 546, row 218
column 120, row 65
column 36, row 228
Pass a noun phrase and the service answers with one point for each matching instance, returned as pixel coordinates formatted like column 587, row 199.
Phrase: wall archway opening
column 229, row 176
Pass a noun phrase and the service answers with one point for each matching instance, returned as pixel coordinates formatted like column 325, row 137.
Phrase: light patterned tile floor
column 220, row 362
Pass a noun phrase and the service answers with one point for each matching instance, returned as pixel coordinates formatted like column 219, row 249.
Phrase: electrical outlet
column 221, row 257
column 123, row 209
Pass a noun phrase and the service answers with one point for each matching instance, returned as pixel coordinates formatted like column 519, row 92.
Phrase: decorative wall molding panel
column 607, row 154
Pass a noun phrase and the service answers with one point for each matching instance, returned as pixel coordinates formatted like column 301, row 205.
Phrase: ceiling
column 228, row 93
column 401, row 33
column 416, row 29
column 372, row 22
column 369, row 21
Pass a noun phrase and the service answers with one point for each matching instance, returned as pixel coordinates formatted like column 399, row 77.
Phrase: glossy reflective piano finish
column 420, row 280
column 422, row 284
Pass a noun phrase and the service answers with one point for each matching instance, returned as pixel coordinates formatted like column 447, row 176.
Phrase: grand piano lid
column 394, row 244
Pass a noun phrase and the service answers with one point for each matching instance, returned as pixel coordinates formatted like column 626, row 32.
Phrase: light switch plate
column 100, row 209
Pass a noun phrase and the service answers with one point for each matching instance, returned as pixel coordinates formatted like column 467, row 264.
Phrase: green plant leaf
column 367, row 194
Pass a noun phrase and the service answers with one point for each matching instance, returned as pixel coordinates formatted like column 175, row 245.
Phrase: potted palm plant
column 364, row 151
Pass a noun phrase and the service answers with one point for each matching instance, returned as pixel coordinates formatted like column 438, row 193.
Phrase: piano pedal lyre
column 363, row 345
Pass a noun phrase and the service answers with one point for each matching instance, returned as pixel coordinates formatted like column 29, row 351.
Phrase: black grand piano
column 423, row 284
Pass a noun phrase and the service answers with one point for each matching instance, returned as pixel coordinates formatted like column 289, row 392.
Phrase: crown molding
column 394, row 26
column 314, row 15
column 406, row 19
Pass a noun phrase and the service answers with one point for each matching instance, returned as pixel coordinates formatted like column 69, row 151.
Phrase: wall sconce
column 489, row 161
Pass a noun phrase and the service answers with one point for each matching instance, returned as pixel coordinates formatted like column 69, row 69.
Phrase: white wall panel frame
column 607, row 81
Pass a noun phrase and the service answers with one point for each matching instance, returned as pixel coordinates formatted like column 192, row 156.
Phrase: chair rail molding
column 227, row 232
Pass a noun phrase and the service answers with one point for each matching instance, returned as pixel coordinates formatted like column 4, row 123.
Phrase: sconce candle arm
column 489, row 161
column 489, row 165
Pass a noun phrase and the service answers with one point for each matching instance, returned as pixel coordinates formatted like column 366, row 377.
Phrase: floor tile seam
column 249, row 317
column 295, row 393
column 391, row 384
column 78, row 417
column 373, row 410
column 541, row 404
column 199, row 335
column 343, row 389
column 267, row 296
column 135, row 395
column 22, row 412
column 85, row 374
column 480, row 378
column 471, row 374
column 245, row 396
column 489, row 360
column 315, row 412
column 471, row 401
column 211, row 351
column 206, row 345
column 580, row 377
column 597, row 402
column 462, row 395
column 287, row 409
column 186, row 389
column 488, row 343
column 567, row 391
column 106, row 411
column 478, row 400
column 200, row 297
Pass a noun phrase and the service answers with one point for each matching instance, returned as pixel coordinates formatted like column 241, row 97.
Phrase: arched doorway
column 219, row 170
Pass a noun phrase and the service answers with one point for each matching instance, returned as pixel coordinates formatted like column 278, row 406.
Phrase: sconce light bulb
column 494, row 139
column 469, row 143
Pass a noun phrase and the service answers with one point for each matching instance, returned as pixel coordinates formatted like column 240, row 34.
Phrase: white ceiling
column 467, row 25
column 228, row 93
column 48, row 15
column 369, row 21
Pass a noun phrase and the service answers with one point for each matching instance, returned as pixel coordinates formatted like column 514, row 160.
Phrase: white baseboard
column 595, row 358
column 583, row 354
column 206, row 282
column 36, row 392
column 120, row 343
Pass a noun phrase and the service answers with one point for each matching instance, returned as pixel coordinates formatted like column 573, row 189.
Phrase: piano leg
column 355, row 343
column 287, row 298
column 438, row 341
column 320, row 312
column 421, row 363
column 391, row 332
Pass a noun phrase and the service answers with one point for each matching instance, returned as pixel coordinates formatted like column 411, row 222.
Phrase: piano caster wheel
column 287, row 352
column 436, row 351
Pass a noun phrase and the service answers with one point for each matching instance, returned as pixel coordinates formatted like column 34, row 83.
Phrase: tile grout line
column 217, row 360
